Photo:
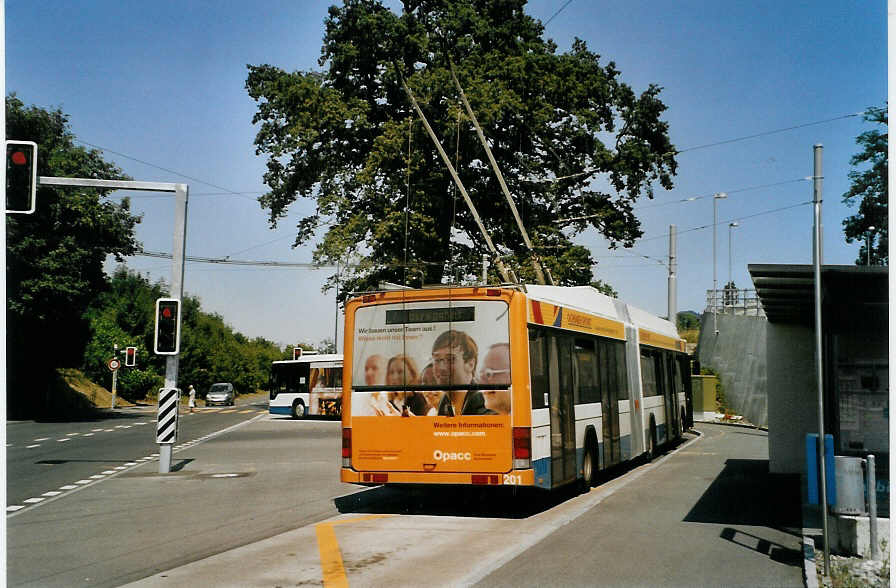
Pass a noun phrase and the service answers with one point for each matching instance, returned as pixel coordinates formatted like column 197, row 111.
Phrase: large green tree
column 572, row 140
column 55, row 256
column 869, row 188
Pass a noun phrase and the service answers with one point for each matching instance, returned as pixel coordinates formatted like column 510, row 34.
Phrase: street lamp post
column 868, row 243
column 730, row 226
column 715, row 221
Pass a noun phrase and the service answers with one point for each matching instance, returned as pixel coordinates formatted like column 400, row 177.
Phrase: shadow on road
column 472, row 501
column 745, row 493
column 459, row 501
column 775, row 551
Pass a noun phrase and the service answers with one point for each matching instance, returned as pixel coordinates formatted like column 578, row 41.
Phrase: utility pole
column 673, row 270
column 819, row 371
column 715, row 290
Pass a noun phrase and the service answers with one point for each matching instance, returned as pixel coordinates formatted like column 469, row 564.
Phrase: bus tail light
column 493, row 292
column 346, row 448
column 484, row 479
column 375, row 478
column 522, row 448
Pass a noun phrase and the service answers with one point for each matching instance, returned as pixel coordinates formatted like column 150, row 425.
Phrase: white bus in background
column 308, row 386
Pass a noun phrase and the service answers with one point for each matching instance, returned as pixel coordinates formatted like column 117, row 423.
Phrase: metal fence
column 734, row 301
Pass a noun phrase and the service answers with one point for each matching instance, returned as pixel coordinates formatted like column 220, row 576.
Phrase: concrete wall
column 792, row 396
column 738, row 356
column 767, row 371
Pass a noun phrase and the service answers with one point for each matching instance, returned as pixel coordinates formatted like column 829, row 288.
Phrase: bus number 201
column 512, row 479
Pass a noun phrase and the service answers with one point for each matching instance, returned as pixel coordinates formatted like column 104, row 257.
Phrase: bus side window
column 538, row 368
column 586, row 363
column 621, row 372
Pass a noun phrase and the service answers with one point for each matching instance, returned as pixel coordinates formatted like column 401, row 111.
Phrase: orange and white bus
column 532, row 385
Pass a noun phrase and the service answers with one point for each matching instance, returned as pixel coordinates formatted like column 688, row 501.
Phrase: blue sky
column 163, row 83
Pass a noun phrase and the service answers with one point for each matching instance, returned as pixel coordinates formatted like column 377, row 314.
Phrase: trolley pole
column 819, row 372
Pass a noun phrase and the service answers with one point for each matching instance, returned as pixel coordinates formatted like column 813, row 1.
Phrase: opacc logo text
column 440, row 455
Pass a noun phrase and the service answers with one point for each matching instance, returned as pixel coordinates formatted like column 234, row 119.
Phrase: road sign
column 166, row 429
column 113, row 364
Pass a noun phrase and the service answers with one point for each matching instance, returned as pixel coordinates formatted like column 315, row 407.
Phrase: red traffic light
column 19, row 158
column 167, row 339
column 130, row 356
column 21, row 176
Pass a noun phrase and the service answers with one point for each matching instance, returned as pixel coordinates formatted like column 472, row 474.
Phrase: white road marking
column 14, row 508
column 63, row 440
column 96, row 430
column 88, row 434
column 68, row 487
column 97, row 476
column 131, row 463
column 83, row 481
column 34, row 500
column 43, row 439
column 51, row 493
column 33, row 446
column 107, row 472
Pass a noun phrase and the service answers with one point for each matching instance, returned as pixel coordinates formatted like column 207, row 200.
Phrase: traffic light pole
column 181, row 192
column 178, row 253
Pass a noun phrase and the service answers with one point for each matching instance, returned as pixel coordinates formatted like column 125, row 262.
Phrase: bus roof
column 590, row 300
column 316, row 358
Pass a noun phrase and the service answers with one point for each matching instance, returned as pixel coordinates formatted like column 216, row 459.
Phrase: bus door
column 563, row 424
column 609, row 401
column 670, row 392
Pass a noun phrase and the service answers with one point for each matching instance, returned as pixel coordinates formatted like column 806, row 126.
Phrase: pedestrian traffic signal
column 21, row 176
column 167, row 341
column 130, row 356
column 296, row 352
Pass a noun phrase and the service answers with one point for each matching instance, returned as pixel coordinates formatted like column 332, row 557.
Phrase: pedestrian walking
column 192, row 397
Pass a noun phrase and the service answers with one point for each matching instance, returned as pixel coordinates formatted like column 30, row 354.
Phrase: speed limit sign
column 113, row 364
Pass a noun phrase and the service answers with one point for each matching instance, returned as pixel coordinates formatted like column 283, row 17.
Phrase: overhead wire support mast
column 536, row 262
column 505, row 275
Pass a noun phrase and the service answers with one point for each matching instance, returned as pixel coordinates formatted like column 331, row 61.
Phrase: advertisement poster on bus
column 423, row 370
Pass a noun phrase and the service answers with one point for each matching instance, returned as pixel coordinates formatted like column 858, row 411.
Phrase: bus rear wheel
column 298, row 409
column 589, row 469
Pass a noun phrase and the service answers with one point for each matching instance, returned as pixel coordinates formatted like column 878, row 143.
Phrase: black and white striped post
column 166, row 428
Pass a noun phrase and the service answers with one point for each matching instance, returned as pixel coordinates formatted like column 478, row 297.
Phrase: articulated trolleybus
column 309, row 385
column 533, row 386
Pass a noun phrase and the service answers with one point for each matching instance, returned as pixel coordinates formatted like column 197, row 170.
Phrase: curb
column 810, row 574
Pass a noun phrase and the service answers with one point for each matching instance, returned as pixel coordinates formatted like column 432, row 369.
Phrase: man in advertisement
column 454, row 357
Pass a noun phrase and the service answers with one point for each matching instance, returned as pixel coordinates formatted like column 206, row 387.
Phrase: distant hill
column 687, row 320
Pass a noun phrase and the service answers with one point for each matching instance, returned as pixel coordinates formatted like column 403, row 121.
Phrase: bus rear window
column 408, row 357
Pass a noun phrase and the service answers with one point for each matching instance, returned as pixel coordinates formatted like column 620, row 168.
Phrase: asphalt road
column 57, row 457
column 259, row 504
column 246, row 476
column 710, row 515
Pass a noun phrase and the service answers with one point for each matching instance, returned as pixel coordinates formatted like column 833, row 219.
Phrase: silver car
column 221, row 393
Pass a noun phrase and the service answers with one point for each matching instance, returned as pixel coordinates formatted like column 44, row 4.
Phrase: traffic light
column 167, row 340
column 130, row 356
column 21, row 176
column 296, row 352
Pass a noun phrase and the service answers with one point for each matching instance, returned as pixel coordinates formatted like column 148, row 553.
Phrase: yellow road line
column 330, row 555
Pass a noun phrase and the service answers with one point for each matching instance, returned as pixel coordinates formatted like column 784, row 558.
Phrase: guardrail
column 734, row 301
